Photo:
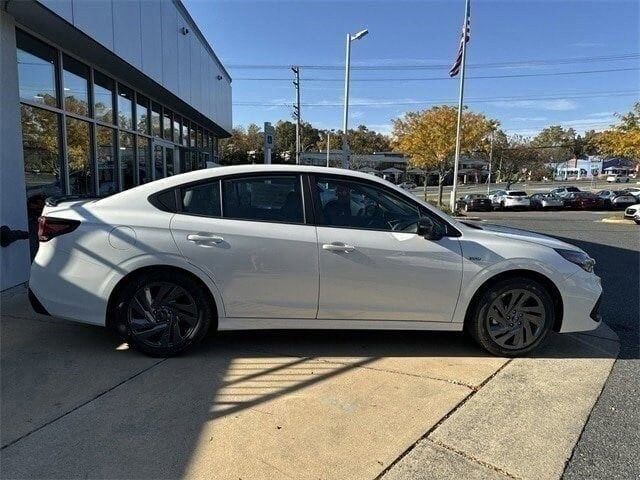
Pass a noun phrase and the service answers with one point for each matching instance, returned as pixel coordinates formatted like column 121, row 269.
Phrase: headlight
column 581, row 259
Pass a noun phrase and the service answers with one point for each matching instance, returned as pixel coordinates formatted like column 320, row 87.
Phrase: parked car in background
column 583, row 201
column 631, row 212
column 543, row 201
column 514, row 199
column 616, row 199
column 564, row 191
column 635, row 191
column 494, row 196
column 407, row 185
column 474, row 202
column 617, row 178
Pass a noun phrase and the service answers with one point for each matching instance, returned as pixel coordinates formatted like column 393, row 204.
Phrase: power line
column 557, row 96
column 424, row 79
column 518, row 63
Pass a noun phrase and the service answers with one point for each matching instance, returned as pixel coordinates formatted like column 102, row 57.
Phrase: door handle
column 204, row 238
column 338, row 247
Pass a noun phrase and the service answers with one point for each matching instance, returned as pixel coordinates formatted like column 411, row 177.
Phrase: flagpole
column 456, row 162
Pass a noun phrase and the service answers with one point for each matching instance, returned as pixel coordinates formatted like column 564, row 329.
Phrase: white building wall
column 14, row 259
column 148, row 35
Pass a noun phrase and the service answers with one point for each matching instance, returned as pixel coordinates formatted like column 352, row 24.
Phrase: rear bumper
column 66, row 286
column 517, row 204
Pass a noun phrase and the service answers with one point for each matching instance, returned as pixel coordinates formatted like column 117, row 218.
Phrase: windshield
column 518, row 194
column 573, row 189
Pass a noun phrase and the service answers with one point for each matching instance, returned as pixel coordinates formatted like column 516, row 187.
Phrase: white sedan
column 513, row 199
column 259, row 247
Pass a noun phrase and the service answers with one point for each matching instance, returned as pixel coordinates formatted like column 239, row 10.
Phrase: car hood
column 526, row 236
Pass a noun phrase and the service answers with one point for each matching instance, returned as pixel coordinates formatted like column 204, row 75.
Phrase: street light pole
column 345, row 120
column 490, row 161
column 328, row 145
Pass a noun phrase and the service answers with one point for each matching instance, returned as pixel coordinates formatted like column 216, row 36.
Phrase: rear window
column 573, row 189
column 518, row 194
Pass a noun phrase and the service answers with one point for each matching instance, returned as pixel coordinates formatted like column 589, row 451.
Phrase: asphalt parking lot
column 610, row 443
column 393, row 405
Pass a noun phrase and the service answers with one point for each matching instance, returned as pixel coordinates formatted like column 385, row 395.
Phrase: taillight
column 49, row 227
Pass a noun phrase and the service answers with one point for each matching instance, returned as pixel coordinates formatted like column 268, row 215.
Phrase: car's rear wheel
column 512, row 317
column 163, row 313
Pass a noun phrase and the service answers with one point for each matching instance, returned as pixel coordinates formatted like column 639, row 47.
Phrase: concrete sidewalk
column 335, row 405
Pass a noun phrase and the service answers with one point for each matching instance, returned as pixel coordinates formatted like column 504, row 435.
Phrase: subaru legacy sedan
column 290, row 247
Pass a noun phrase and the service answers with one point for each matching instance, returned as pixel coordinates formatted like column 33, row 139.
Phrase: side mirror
column 430, row 229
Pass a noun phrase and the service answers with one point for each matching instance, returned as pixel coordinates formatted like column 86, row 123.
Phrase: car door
column 250, row 235
column 373, row 264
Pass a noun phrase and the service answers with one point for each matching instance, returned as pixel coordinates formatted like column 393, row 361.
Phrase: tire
column 500, row 334
column 173, row 300
column 637, row 220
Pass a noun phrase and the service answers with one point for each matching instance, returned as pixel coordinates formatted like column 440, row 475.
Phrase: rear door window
column 202, row 199
column 268, row 198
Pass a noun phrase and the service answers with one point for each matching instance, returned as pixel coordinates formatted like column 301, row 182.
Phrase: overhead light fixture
column 359, row 35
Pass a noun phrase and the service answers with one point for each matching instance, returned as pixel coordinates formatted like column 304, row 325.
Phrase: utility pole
column 296, row 110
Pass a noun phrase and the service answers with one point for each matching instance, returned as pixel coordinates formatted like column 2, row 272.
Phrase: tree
column 428, row 137
column 517, row 159
column 244, row 146
column 623, row 139
column 363, row 141
column 557, row 144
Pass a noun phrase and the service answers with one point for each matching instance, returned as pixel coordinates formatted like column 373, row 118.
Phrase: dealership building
column 98, row 96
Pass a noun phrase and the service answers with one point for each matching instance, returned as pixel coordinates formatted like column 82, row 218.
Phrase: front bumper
column 581, row 296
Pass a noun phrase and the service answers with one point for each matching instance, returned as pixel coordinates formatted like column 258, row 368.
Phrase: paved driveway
column 77, row 403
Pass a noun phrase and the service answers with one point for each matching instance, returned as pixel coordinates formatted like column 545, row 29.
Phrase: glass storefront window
column 170, row 161
column 155, row 120
column 185, row 160
column 36, row 70
column 102, row 97
column 142, row 114
column 75, row 80
column 144, row 159
column 106, row 160
column 125, row 107
column 158, row 162
column 192, row 136
column 176, row 128
column 199, row 139
column 79, row 157
column 127, row 171
column 167, row 125
column 41, row 151
column 185, row 132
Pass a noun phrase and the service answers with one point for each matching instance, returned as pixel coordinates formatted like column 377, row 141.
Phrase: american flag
column 464, row 37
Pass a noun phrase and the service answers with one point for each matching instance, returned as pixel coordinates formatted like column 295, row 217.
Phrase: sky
column 567, row 36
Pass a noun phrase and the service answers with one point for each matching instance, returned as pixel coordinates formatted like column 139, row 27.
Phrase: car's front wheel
column 512, row 317
column 163, row 314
